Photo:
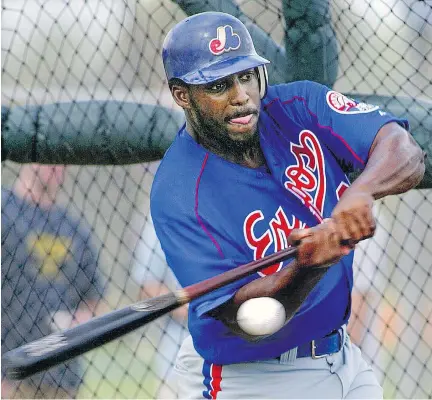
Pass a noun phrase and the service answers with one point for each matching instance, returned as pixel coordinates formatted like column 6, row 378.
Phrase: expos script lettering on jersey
column 274, row 238
column 306, row 179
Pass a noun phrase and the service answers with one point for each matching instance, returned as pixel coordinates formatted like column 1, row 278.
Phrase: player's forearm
column 267, row 286
column 317, row 249
column 290, row 286
column 395, row 165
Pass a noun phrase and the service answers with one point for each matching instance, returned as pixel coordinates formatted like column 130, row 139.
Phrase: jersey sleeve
column 346, row 126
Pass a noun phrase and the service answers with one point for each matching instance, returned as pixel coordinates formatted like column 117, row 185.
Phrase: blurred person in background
column 167, row 333
column 50, row 277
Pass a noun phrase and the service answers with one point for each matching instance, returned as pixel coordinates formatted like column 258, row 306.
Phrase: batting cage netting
column 83, row 86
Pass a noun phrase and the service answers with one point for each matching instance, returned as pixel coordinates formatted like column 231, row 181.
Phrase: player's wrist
column 360, row 188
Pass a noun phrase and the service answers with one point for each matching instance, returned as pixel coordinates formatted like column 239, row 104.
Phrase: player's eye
column 247, row 76
column 217, row 87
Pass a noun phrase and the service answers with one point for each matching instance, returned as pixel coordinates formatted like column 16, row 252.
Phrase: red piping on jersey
column 215, row 383
column 200, row 221
column 319, row 125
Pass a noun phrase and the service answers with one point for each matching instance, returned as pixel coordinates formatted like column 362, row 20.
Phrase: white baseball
column 261, row 316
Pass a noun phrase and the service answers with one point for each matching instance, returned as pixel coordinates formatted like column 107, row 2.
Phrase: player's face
column 227, row 109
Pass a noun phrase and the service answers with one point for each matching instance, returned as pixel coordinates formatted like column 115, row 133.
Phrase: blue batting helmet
column 209, row 46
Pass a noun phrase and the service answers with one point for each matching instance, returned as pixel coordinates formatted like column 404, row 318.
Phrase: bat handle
column 203, row 287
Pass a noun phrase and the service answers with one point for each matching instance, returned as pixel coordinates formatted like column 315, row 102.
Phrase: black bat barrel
column 59, row 347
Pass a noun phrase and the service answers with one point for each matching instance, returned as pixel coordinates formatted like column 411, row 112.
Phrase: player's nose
column 239, row 93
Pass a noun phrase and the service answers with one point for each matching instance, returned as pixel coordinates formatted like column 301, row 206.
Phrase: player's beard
column 214, row 135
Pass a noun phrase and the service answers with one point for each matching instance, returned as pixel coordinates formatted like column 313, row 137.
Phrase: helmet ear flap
column 262, row 80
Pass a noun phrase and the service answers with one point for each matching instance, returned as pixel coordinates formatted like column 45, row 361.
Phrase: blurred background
column 78, row 240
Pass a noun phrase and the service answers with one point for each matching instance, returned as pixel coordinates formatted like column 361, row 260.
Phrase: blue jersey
column 212, row 215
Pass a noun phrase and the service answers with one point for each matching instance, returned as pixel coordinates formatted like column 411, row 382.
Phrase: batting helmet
column 209, row 46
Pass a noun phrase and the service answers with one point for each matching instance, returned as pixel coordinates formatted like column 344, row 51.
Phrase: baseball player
column 257, row 168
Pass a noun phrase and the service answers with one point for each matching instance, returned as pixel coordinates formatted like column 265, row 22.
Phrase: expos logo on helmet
column 225, row 40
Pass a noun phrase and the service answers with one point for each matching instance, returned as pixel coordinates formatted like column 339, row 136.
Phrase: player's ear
column 181, row 94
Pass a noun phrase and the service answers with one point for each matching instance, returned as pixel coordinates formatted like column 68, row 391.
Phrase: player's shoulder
column 298, row 90
column 182, row 159
column 176, row 177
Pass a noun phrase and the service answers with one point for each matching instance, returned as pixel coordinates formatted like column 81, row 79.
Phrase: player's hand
column 354, row 217
column 319, row 246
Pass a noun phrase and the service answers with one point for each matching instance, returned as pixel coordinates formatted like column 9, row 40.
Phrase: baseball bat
column 59, row 347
